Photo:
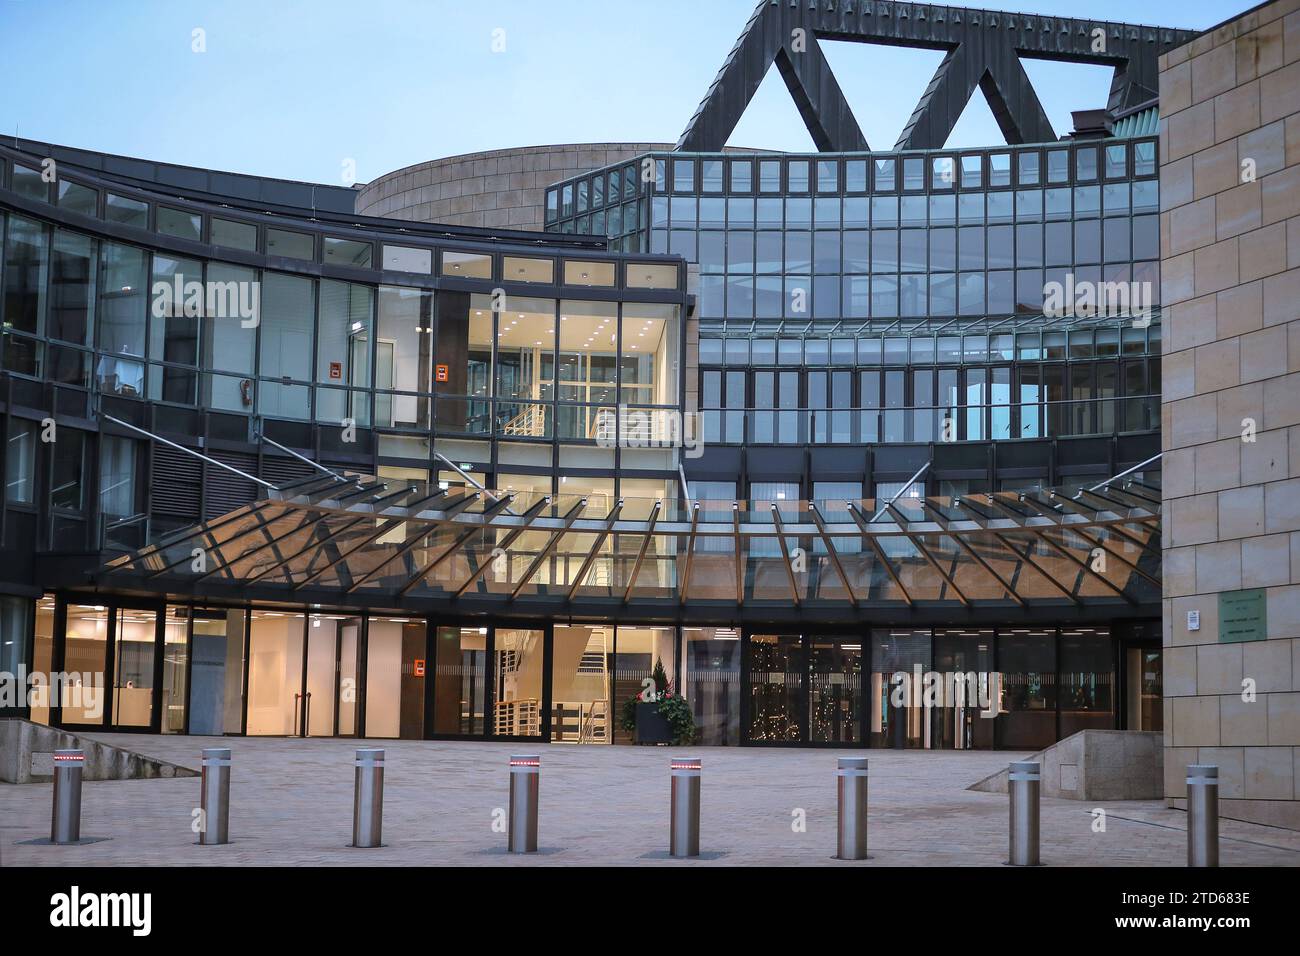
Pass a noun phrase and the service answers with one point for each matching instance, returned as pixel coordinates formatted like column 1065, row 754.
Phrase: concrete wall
column 26, row 749
column 1096, row 765
column 1230, row 274
column 503, row 188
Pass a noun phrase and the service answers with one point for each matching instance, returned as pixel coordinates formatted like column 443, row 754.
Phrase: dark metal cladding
column 983, row 49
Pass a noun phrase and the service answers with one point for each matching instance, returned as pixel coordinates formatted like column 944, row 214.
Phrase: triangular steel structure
column 983, row 49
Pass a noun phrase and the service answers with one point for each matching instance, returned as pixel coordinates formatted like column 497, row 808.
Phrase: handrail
column 189, row 451
column 1127, row 471
column 908, row 484
column 261, row 437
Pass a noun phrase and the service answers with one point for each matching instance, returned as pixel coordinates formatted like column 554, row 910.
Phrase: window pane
column 230, row 331
column 25, row 276
column 177, row 222
column 343, row 350
column 347, row 252
column 286, row 346
column 233, row 235
column 77, row 198
column 122, row 308
column 466, row 264
column 404, row 357
column 176, row 307
column 292, row 245
column 128, row 212
column 406, row 259
column 71, row 287
column 20, row 462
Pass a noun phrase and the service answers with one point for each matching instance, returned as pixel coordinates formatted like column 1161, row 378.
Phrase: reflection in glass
column 517, row 683
column 776, row 686
column 834, row 691
column 1027, row 713
column 899, row 660
column 459, row 674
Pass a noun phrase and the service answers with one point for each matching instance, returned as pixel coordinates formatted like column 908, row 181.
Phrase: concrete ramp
column 1097, row 765
column 27, row 749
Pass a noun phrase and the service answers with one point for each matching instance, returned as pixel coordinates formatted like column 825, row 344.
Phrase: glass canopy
column 356, row 540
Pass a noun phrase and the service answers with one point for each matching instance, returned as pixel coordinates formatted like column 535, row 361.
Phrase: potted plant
column 657, row 715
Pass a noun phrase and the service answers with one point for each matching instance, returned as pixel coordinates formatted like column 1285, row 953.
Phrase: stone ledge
column 1096, row 765
column 23, row 744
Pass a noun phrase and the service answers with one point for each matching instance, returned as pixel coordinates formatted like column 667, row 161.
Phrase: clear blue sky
column 293, row 88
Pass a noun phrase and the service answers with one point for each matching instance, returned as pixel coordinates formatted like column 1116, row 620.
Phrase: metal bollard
column 525, row 774
column 1024, row 783
column 368, row 799
column 684, row 824
column 65, row 820
column 214, row 797
column 851, row 783
column 1202, row 815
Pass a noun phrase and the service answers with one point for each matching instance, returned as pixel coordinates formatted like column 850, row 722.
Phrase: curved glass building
column 861, row 447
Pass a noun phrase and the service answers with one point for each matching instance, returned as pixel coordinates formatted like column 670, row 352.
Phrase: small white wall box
column 1193, row 620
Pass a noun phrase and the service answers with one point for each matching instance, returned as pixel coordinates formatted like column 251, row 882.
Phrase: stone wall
column 1230, row 278
column 1096, row 765
column 502, row 188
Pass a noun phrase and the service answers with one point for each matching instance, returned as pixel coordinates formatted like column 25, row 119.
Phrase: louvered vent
column 281, row 471
column 177, row 483
column 227, row 491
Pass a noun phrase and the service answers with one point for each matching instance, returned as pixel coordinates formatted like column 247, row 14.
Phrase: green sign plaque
column 1243, row 616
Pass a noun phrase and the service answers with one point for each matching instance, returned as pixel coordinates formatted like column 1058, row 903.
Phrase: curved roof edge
column 195, row 181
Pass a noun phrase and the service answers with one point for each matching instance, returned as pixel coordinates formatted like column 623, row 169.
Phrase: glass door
column 276, row 703
column 805, row 689
column 135, row 659
column 83, row 694
column 777, row 706
column 963, row 715
column 834, row 691
column 216, row 671
column 518, row 655
column 460, row 681
column 320, row 694
column 580, row 677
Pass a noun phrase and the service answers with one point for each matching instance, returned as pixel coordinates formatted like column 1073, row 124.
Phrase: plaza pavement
column 291, row 804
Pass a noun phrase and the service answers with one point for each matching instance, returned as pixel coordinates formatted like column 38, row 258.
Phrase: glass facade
column 864, row 298
column 499, row 403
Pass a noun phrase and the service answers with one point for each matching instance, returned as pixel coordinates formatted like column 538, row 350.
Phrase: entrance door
column 777, row 679
column 805, row 689
column 322, row 671
column 580, row 678
column 136, row 667
column 276, row 704
column 834, row 691
column 216, row 671
column 518, row 657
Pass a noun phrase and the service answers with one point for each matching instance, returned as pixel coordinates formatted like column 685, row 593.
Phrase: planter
column 651, row 726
